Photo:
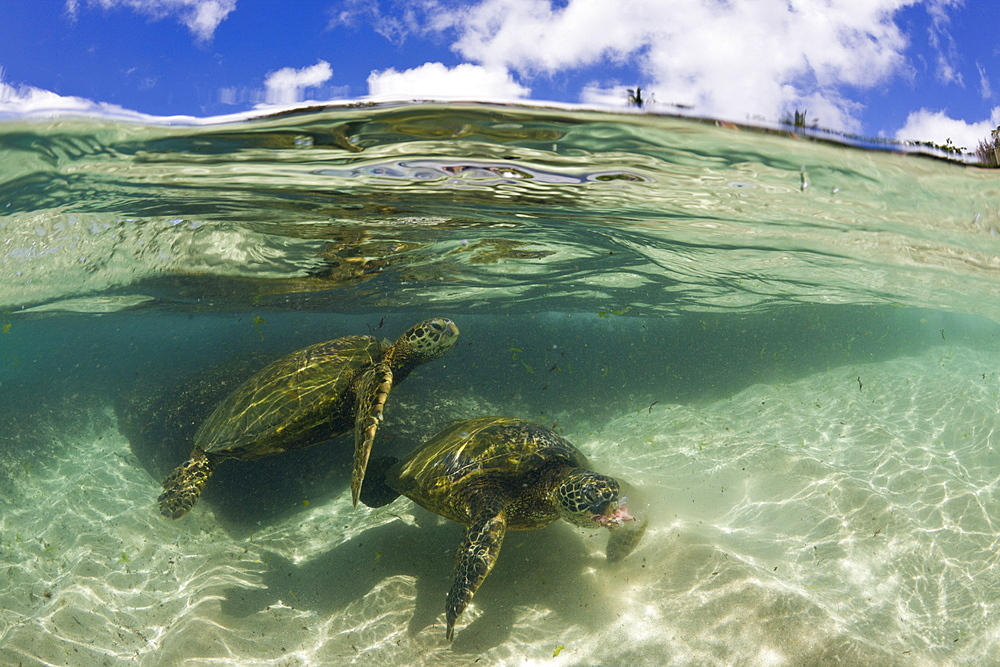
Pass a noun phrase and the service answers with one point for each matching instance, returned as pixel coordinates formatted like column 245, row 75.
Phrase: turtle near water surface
column 492, row 474
column 302, row 399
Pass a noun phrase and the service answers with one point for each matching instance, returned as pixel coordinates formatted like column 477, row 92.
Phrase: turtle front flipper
column 372, row 392
column 477, row 554
column 623, row 541
column 376, row 492
column 626, row 534
column 183, row 487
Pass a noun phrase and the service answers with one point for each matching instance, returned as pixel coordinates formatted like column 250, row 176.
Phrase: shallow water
column 788, row 346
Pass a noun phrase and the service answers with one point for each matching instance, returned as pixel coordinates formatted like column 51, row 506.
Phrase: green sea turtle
column 302, row 399
column 492, row 474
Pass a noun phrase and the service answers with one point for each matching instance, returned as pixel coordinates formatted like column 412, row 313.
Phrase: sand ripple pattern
column 827, row 519
column 848, row 516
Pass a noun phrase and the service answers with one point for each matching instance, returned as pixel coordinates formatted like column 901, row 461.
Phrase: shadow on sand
column 544, row 569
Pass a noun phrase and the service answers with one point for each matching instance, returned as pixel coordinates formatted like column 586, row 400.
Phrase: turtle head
column 425, row 341
column 591, row 500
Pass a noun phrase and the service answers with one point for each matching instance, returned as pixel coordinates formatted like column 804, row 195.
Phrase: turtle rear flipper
column 183, row 487
column 477, row 554
column 372, row 392
column 375, row 492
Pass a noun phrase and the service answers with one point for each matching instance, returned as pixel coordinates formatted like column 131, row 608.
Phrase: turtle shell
column 297, row 401
column 515, row 454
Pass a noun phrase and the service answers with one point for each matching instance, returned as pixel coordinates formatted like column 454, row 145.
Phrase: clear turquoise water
column 789, row 345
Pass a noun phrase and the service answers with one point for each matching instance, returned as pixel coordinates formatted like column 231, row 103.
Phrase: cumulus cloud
column 938, row 127
column 21, row 100
column 201, row 17
column 436, row 81
column 752, row 59
column 287, row 85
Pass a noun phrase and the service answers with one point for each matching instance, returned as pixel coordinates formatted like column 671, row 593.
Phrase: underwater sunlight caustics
column 777, row 359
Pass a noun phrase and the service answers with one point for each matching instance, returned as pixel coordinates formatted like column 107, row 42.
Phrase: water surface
column 789, row 345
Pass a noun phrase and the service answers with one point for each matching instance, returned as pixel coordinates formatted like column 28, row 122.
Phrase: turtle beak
column 614, row 514
column 442, row 326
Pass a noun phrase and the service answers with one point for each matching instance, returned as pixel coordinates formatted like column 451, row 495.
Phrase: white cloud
column 738, row 60
column 752, row 59
column 405, row 19
column 287, row 85
column 31, row 102
column 594, row 93
column 938, row 127
column 435, row 81
column 201, row 17
column 984, row 83
column 942, row 41
column 21, row 100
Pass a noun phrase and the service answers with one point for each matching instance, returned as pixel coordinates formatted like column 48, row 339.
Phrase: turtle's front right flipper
column 623, row 541
column 626, row 536
column 183, row 487
column 477, row 554
column 372, row 392
column 375, row 491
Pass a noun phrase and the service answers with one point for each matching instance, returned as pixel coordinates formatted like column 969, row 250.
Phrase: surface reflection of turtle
column 306, row 397
column 495, row 473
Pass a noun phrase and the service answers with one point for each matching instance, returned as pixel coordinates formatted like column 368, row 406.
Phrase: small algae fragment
column 257, row 321
column 609, row 313
column 514, row 352
column 555, row 654
column 6, row 327
column 305, row 503
column 124, row 557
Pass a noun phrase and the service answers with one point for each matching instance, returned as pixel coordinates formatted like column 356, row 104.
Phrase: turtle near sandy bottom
column 302, row 399
column 492, row 474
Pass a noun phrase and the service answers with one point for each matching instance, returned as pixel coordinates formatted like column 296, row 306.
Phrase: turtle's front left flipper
column 372, row 392
column 477, row 554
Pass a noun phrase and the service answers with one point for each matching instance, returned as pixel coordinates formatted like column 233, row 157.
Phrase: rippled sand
column 848, row 516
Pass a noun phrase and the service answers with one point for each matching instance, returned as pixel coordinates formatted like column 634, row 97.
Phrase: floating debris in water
column 257, row 321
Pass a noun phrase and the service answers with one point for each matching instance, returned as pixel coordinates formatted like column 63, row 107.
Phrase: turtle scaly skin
column 492, row 474
column 305, row 398
column 184, row 485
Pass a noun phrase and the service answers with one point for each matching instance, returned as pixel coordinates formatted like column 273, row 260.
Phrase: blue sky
column 908, row 69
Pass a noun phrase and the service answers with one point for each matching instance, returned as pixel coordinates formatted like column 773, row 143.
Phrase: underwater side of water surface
column 788, row 347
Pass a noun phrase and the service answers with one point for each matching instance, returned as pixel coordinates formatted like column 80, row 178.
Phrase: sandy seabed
column 847, row 517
